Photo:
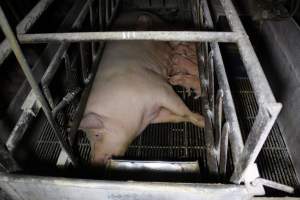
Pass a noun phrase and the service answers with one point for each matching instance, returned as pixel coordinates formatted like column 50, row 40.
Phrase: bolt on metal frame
column 244, row 156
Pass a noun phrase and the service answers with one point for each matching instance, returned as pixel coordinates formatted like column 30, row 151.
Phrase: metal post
column 27, row 71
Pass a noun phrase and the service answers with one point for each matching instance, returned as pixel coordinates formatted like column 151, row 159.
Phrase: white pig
column 131, row 91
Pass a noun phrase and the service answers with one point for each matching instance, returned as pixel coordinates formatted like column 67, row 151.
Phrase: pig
column 188, row 82
column 184, row 49
column 129, row 92
column 184, row 65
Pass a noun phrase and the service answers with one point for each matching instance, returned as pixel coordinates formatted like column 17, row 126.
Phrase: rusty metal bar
column 35, row 87
column 183, row 36
column 25, row 25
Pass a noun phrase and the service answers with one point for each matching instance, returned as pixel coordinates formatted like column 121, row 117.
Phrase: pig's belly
column 134, row 97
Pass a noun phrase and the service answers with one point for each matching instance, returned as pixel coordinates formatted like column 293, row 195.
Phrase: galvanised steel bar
column 182, row 36
column 261, row 87
column 34, row 187
column 25, row 25
column 30, row 78
column 235, row 136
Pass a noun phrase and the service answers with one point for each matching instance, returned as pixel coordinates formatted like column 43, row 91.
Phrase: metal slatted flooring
column 274, row 162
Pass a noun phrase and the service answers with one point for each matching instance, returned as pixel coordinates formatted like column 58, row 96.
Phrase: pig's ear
column 91, row 121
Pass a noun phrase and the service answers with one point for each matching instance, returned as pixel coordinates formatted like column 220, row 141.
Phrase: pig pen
column 238, row 152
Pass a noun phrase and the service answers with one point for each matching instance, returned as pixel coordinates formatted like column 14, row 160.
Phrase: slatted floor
column 274, row 162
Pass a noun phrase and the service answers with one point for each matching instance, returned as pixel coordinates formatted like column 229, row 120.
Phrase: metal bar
column 205, row 71
column 30, row 110
column 25, row 25
column 224, row 149
column 34, row 187
column 183, row 36
column 253, row 67
column 66, row 100
column 85, row 62
column 7, row 162
column 218, row 120
column 27, row 71
column 55, row 62
column 50, row 72
column 235, row 136
column 263, row 123
column 274, row 185
column 158, row 166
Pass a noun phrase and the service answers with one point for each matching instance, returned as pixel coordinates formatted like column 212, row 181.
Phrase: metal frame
column 36, row 98
column 34, row 187
column 244, row 156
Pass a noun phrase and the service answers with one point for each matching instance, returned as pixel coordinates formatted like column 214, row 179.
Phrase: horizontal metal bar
column 25, row 25
column 260, row 85
column 29, row 187
column 35, row 87
column 159, row 166
column 184, row 36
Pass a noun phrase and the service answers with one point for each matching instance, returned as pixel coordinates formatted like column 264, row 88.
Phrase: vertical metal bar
column 205, row 87
column 218, row 120
column 224, row 149
column 27, row 71
column 235, row 136
column 263, row 123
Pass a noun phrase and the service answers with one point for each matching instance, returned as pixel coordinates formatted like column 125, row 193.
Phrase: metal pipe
column 218, row 120
column 261, row 87
column 153, row 166
column 25, row 25
column 224, row 149
column 85, row 62
column 34, row 187
column 30, row 110
column 27, row 71
column 235, row 136
column 66, row 100
column 183, row 36
column 260, row 130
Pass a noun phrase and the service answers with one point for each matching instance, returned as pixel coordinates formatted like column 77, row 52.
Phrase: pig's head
column 106, row 140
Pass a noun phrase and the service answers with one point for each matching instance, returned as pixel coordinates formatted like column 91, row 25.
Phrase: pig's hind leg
column 175, row 111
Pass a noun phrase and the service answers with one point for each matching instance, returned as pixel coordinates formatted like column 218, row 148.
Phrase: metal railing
column 244, row 155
